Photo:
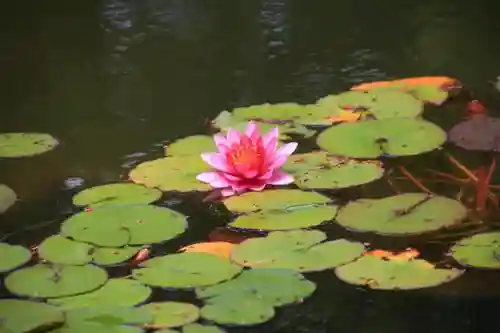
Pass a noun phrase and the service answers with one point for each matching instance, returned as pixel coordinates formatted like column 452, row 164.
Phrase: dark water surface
column 115, row 80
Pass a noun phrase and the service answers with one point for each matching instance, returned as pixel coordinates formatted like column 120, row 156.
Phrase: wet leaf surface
column 404, row 214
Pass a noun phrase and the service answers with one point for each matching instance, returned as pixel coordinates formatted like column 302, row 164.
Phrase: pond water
column 115, row 81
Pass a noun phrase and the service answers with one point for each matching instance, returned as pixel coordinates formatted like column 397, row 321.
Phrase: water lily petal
column 266, row 175
column 246, row 171
column 282, row 154
column 217, row 160
column 287, row 149
column 280, row 178
column 252, row 131
column 221, row 143
column 227, row 192
column 270, row 136
column 233, row 137
column 258, row 188
column 215, row 179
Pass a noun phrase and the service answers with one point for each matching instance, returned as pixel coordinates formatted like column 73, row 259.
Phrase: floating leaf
column 275, row 287
column 192, row 145
column 479, row 132
column 393, row 104
column 108, row 316
column 105, row 319
column 273, row 200
column 47, row 281
column 375, row 138
column 429, row 93
column 319, row 170
column 197, row 328
column 481, row 250
column 117, row 292
column 86, row 326
column 21, row 316
column 280, row 210
column 109, row 256
column 437, row 81
column 403, row 214
column 116, row 194
column 300, row 250
column 172, row 314
column 173, row 173
column 285, row 220
column 118, row 226
column 380, row 273
column 236, row 310
column 7, row 198
column 225, row 120
column 61, row 250
column 353, row 100
column 185, row 270
column 220, row 249
column 25, row 144
column 13, row 256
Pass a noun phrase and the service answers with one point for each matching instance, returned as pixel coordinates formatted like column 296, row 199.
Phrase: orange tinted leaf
column 438, row 81
column 380, row 253
column 409, row 254
column 344, row 117
column 220, row 249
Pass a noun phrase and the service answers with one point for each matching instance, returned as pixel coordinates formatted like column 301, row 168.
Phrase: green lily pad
column 109, row 256
column 173, row 173
column 429, row 93
column 481, row 250
column 105, row 319
column 172, row 314
column 292, row 218
column 25, row 144
column 395, row 104
column 285, row 116
column 21, row 316
column 116, row 194
column 384, row 137
column 280, row 111
column 61, row 250
column 192, row 145
column 273, row 200
column 50, row 281
column 118, row 226
column 318, row 170
column 7, row 198
column 272, row 286
column 236, row 310
column 117, row 292
column 108, row 316
column 197, row 328
column 13, row 256
column 185, row 270
column 378, row 273
column 403, row 214
column 225, row 120
column 280, row 209
column 355, row 100
column 300, row 250
column 86, row 327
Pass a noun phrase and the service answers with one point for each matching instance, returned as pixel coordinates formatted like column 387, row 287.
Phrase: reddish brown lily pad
column 479, row 132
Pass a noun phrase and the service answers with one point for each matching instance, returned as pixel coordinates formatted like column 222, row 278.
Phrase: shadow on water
column 115, row 80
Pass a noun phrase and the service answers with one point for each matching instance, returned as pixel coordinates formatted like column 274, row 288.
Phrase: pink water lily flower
column 247, row 161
